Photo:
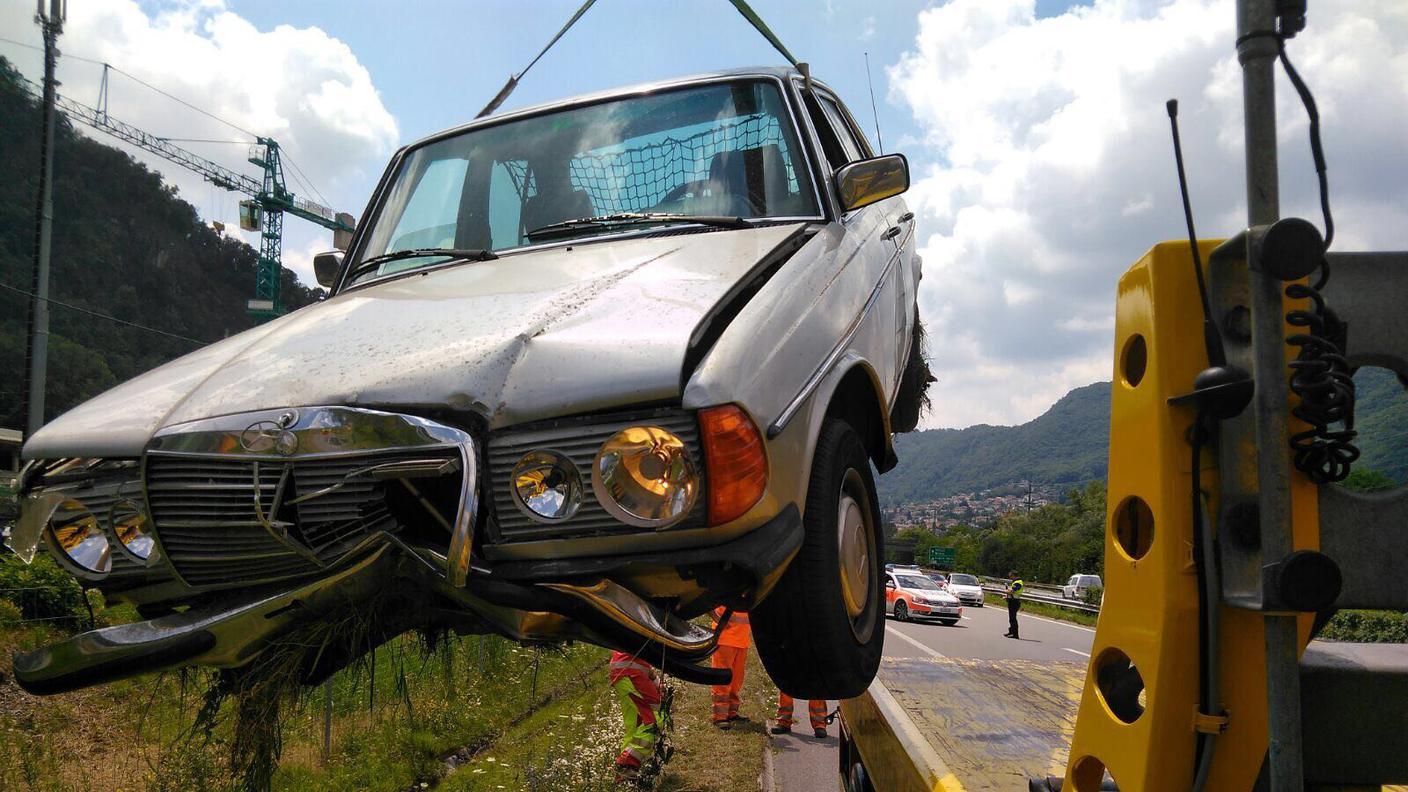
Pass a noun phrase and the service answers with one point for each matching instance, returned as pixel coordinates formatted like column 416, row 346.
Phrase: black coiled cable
column 1322, row 378
column 1320, row 374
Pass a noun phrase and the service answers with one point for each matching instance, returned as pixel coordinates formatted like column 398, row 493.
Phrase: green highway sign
column 942, row 556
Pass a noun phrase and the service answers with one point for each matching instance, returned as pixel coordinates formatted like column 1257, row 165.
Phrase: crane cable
column 513, row 79
column 743, row 8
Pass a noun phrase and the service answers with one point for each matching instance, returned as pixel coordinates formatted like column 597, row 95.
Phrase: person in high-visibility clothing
column 1014, row 603
column 731, row 654
column 816, row 711
column 634, row 682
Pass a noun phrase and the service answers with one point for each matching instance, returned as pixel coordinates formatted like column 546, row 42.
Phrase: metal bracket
column 1362, row 533
column 1210, row 724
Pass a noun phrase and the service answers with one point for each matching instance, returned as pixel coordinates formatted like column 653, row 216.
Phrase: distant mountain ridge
column 1068, row 445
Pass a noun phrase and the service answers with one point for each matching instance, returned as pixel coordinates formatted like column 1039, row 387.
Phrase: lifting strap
column 742, row 6
column 762, row 27
column 512, row 83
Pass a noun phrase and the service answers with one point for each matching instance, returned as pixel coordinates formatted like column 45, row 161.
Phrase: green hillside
column 1069, row 445
column 1381, row 418
column 124, row 245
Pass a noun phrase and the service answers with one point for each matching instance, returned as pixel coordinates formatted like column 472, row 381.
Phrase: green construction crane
column 263, row 211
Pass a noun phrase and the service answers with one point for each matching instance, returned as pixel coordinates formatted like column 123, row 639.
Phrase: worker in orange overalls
column 816, row 710
column 731, row 654
column 634, row 682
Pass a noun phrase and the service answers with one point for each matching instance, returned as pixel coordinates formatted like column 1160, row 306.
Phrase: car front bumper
column 937, row 611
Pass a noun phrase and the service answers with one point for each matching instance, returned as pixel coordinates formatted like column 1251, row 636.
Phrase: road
column 802, row 763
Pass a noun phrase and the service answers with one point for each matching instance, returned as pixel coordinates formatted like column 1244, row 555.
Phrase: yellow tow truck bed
column 976, row 725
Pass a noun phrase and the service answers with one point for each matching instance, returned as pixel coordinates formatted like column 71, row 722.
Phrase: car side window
column 831, row 147
column 843, row 130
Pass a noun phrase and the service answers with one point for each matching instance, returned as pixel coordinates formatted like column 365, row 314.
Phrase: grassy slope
column 572, row 743
column 124, row 736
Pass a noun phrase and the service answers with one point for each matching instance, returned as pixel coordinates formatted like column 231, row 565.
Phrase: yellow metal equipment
column 1138, row 716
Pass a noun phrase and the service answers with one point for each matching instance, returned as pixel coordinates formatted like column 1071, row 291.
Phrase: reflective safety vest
column 737, row 634
column 1017, row 588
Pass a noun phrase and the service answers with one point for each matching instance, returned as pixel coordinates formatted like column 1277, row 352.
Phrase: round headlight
column 547, row 486
column 129, row 522
column 644, row 476
column 76, row 532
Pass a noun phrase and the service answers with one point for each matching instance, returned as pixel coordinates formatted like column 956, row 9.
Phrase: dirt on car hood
column 527, row 336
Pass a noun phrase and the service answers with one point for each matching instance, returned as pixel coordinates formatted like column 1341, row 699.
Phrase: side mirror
column 863, row 182
column 889, row 585
column 326, row 266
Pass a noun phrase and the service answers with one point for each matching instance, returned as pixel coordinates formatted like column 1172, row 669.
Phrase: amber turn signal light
column 735, row 461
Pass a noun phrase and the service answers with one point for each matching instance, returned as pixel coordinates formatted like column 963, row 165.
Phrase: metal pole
column 1257, row 55
column 38, row 354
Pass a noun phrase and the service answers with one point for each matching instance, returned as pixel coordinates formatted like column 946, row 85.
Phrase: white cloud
column 299, row 86
column 867, row 28
column 1046, row 169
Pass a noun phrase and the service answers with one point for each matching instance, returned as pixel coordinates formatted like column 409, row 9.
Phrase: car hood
column 955, row 587
column 530, row 335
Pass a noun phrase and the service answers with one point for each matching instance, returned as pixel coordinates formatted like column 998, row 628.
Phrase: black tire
column 901, row 611
column 817, row 636
column 948, row 622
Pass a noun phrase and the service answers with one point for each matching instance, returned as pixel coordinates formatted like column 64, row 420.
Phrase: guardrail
column 998, row 585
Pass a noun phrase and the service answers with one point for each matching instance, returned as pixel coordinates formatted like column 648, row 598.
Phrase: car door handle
column 891, row 232
column 906, row 217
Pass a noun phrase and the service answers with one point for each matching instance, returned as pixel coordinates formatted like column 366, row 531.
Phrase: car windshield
column 917, row 582
column 962, row 580
column 719, row 150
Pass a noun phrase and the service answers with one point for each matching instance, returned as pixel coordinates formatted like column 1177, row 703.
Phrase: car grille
column 203, row 510
column 579, row 441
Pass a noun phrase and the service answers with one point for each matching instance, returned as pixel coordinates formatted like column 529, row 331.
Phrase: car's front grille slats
column 204, row 512
column 579, row 442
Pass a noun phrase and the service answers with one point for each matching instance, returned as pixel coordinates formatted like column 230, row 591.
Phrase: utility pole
column 38, row 352
column 1257, row 22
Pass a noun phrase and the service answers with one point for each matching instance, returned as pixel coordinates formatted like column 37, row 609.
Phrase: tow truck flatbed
column 945, row 725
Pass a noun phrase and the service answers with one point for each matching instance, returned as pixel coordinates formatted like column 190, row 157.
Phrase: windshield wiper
column 472, row 254
column 634, row 218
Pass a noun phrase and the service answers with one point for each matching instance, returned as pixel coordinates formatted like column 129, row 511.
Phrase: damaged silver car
column 587, row 371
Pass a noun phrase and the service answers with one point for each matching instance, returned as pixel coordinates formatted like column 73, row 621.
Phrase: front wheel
column 948, row 622
column 901, row 611
column 820, row 632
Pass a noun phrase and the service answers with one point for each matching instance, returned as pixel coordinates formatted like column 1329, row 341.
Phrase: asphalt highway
column 802, row 763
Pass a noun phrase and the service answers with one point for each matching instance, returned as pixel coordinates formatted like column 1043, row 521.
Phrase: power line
column 139, row 80
column 41, row 49
column 101, row 315
column 181, row 101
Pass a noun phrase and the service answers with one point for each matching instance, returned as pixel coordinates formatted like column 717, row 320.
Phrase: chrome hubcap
column 856, row 550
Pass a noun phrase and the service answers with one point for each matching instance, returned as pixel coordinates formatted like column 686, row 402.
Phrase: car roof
column 783, row 73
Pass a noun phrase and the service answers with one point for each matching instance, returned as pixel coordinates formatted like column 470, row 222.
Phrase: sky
column 1035, row 130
